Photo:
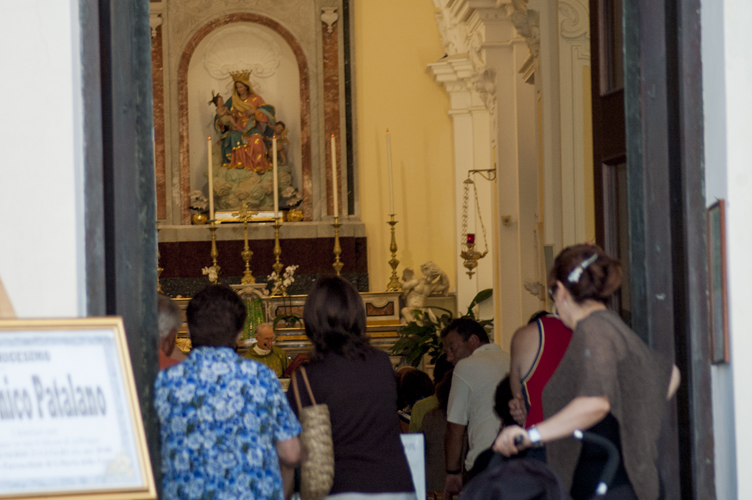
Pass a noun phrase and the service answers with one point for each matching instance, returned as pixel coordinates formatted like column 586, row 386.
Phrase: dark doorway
column 649, row 204
column 609, row 141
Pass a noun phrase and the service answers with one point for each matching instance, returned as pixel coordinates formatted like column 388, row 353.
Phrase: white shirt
column 472, row 397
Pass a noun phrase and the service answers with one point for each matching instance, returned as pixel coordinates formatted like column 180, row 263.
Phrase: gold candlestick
column 214, row 253
column 394, row 284
column 159, row 268
column 278, row 266
column 337, row 248
column 247, row 253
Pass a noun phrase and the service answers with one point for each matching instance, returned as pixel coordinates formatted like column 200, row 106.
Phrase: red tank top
column 554, row 338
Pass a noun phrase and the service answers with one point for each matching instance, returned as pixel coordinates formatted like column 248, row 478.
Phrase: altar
column 382, row 321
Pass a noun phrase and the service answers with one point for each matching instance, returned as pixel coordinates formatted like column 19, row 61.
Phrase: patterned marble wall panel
column 330, row 39
column 186, row 23
column 159, row 122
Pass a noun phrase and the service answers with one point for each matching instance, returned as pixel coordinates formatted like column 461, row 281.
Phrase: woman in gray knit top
column 609, row 382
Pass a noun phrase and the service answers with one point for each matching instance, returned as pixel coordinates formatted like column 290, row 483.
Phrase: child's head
column 279, row 127
column 217, row 100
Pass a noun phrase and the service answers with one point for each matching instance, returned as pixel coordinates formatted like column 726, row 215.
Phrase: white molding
column 155, row 21
column 329, row 16
column 574, row 55
column 574, row 19
column 493, row 113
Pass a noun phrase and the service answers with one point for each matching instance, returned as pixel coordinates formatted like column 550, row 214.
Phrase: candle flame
column 332, row 135
column 387, row 131
column 274, row 137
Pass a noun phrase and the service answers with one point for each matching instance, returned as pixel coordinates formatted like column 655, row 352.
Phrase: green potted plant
column 422, row 336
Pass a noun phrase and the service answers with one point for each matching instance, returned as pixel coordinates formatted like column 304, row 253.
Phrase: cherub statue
column 415, row 291
column 437, row 277
column 283, row 142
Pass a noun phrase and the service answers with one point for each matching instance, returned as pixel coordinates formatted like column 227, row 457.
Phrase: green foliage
column 422, row 336
column 254, row 318
column 290, row 320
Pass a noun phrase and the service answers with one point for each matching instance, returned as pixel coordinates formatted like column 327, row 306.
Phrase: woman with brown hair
column 356, row 381
column 608, row 382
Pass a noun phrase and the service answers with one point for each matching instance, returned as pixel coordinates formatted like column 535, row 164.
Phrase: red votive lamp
column 471, row 238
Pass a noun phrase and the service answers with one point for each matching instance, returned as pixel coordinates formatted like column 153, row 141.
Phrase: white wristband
column 534, row 436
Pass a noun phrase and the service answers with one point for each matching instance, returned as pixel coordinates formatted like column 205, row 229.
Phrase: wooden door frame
column 664, row 137
column 663, row 146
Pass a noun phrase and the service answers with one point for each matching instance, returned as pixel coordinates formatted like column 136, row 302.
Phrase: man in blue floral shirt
column 225, row 422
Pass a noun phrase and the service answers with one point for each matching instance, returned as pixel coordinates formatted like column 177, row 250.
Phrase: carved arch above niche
column 241, row 48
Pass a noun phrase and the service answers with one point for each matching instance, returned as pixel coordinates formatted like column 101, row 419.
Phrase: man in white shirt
column 479, row 367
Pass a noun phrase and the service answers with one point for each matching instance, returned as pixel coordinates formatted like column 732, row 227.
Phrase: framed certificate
column 70, row 422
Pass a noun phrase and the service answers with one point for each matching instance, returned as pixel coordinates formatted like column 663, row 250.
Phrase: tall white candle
column 210, row 174
column 335, row 188
column 391, row 181
column 275, row 177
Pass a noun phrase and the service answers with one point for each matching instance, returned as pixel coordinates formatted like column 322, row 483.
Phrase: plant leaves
column 481, row 296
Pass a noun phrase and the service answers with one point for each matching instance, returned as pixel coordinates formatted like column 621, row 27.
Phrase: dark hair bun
column 587, row 272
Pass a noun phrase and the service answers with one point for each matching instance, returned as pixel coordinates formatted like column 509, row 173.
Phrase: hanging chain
column 465, row 203
column 477, row 211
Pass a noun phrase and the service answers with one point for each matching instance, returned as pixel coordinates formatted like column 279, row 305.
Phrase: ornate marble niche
column 275, row 76
column 296, row 49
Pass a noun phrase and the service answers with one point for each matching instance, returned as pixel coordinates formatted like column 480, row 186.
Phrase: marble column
column 330, row 38
column 472, row 150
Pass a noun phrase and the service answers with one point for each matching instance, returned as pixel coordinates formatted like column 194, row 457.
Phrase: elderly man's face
column 265, row 337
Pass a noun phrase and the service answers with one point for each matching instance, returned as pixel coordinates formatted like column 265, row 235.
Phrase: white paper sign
column 415, row 450
column 66, row 416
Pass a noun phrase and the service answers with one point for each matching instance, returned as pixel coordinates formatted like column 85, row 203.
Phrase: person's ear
column 474, row 341
column 168, row 344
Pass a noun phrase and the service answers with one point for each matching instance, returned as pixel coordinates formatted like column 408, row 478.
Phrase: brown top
column 362, row 398
column 606, row 358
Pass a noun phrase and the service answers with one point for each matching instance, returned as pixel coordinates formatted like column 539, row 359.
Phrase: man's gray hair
column 265, row 325
column 168, row 317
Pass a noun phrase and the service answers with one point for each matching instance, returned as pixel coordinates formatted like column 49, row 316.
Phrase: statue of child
column 223, row 113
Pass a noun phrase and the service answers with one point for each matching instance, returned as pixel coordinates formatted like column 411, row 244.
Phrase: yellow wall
column 394, row 41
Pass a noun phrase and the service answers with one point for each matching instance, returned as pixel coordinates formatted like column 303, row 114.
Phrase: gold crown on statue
column 240, row 75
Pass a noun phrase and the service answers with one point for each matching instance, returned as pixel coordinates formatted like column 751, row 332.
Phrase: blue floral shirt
column 220, row 416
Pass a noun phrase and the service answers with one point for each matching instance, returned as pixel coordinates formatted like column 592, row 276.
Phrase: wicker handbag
column 317, row 469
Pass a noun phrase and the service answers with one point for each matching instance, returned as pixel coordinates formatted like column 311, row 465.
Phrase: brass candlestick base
column 278, row 266
column 246, row 254
column 337, row 248
column 214, row 253
column 394, row 284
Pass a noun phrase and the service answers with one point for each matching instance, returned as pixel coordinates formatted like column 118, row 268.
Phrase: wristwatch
column 534, row 436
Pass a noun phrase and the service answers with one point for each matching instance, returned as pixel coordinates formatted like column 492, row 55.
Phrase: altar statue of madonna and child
column 245, row 126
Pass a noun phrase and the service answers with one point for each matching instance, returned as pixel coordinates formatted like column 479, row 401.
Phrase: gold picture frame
column 70, row 419
column 719, row 340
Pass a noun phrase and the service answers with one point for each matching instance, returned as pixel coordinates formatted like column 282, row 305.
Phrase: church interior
column 425, row 150
column 407, row 127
